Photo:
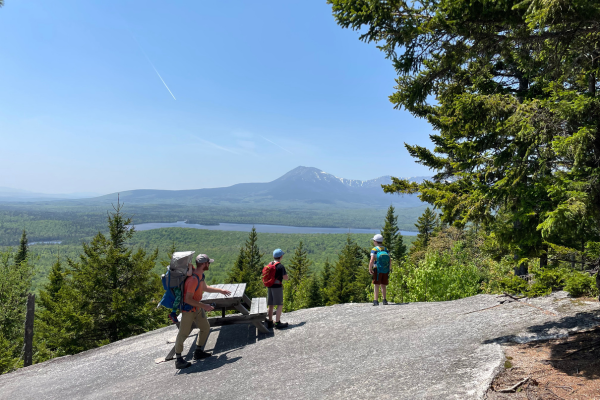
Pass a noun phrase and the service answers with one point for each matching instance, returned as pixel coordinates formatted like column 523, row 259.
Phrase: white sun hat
column 378, row 238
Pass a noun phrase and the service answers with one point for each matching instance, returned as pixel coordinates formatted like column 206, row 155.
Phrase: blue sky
column 260, row 87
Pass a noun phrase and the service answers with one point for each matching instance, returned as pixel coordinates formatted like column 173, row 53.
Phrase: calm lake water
column 259, row 228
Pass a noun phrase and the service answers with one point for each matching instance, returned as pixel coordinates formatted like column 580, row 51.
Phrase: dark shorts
column 383, row 278
column 275, row 296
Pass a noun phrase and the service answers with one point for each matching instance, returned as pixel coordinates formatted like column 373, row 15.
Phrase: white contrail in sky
column 162, row 79
column 215, row 145
column 270, row 141
column 153, row 67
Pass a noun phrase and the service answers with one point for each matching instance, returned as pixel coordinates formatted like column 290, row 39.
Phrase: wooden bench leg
column 261, row 326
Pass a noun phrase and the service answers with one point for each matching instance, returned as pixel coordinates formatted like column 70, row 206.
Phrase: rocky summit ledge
column 444, row 350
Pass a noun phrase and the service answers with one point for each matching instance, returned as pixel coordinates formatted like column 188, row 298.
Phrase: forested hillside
column 71, row 224
column 220, row 245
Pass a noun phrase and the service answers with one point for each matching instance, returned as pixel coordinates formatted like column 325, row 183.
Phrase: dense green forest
column 71, row 224
column 222, row 246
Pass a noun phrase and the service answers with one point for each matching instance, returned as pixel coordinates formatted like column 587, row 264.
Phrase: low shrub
column 579, row 284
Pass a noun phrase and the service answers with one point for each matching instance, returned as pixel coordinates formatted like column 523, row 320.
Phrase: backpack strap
column 182, row 304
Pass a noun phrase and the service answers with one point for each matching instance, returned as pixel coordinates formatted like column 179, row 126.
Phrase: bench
column 256, row 317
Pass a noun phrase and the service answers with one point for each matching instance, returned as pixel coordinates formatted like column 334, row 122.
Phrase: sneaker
column 385, row 303
column 180, row 363
column 270, row 323
column 173, row 317
column 281, row 325
column 200, row 354
column 375, row 303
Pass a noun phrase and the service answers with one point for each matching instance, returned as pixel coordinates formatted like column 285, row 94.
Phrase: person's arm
column 371, row 263
column 210, row 289
column 286, row 278
column 189, row 299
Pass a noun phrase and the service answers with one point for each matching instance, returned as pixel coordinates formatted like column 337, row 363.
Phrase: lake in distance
column 259, row 228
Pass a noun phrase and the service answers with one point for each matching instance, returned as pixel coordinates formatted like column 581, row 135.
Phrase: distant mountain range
column 17, row 195
column 302, row 185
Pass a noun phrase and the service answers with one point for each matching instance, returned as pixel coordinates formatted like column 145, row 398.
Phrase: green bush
column 511, row 284
column 579, row 284
column 439, row 276
column 8, row 361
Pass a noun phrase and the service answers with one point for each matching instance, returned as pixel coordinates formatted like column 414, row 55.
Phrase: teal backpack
column 383, row 261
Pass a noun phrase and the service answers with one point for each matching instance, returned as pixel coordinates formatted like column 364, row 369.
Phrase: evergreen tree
column 248, row 267
column 512, row 91
column 298, row 270
column 314, row 293
column 392, row 238
column 399, row 249
column 23, row 249
column 14, row 287
column 325, row 282
column 390, row 228
column 426, row 224
column 50, row 335
column 350, row 275
column 111, row 292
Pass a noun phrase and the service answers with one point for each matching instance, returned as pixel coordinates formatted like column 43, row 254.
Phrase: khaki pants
column 185, row 327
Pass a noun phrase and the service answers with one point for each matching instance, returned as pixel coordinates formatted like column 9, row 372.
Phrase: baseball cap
column 203, row 258
column 278, row 253
column 378, row 238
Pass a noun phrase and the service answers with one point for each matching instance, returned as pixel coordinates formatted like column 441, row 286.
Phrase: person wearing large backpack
column 273, row 276
column 380, row 259
column 195, row 311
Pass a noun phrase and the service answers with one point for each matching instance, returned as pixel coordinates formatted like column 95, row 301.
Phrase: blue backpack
column 173, row 297
column 383, row 261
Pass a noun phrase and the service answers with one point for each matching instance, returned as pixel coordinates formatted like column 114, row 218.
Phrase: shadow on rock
column 552, row 329
column 292, row 326
column 578, row 355
column 573, row 353
column 209, row 364
column 237, row 336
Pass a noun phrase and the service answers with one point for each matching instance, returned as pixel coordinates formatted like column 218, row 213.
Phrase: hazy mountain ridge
column 302, row 185
column 8, row 194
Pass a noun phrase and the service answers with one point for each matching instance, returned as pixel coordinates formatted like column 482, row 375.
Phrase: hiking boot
column 200, row 354
column 385, row 303
column 270, row 323
column 375, row 303
column 173, row 317
column 281, row 325
column 180, row 363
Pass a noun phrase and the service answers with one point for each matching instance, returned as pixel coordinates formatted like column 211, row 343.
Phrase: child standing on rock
column 380, row 259
column 275, row 290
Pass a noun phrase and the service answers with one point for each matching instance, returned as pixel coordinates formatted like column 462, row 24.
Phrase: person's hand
column 225, row 292
column 207, row 307
column 370, row 271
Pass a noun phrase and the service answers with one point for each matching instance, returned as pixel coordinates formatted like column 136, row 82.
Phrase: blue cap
column 278, row 253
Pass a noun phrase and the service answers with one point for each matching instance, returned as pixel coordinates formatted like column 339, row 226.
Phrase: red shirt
column 191, row 283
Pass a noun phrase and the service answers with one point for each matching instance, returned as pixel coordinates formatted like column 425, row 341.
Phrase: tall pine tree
column 298, row 270
column 15, row 283
column 426, row 224
column 23, row 251
column 392, row 238
column 111, row 292
column 248, row 267
column 325, row 282
column 51, row 336
column 350, row 275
